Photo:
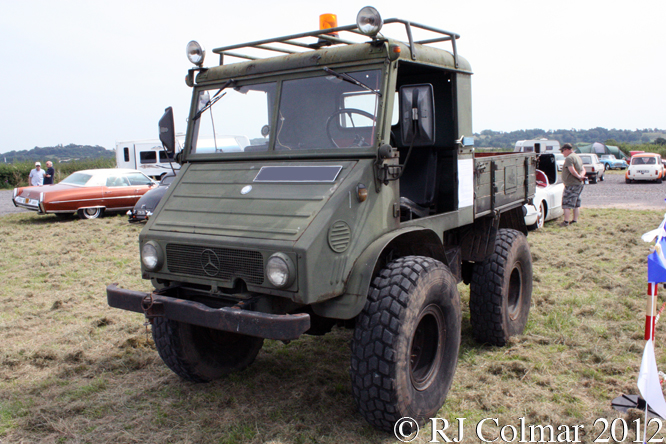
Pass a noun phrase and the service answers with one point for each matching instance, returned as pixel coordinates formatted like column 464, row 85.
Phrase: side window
column 138, row 179
column 117, row 181
column 148, row 157
column 395, row 117
column 164, row 157
column 126, row 154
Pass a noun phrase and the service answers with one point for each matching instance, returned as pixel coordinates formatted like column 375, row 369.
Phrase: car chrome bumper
column 162, row 303
column 531, row 215
column 27, row 206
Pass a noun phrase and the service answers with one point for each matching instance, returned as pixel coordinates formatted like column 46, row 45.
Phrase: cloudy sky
column 98, row 72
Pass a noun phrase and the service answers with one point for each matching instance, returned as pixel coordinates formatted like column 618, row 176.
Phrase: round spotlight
column 280, row 270
column 369, row 21
column 151, row 256
column 196, row 53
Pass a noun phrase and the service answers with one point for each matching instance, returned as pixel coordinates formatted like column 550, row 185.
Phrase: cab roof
column 320, row 47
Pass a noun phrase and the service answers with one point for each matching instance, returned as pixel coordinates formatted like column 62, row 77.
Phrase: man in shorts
column 573, row 178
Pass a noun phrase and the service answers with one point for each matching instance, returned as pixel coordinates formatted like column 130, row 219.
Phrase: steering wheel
column 358, row 140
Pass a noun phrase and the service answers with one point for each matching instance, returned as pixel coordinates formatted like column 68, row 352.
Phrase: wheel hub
column 426, row 347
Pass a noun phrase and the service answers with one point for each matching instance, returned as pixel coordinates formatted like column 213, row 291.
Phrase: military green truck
column 358, row 202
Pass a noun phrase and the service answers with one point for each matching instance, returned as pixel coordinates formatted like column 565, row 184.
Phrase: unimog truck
column 358, row 202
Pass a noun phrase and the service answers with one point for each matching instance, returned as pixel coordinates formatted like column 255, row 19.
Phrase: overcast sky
column 99, row 72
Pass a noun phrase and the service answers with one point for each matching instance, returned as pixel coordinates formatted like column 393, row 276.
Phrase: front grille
column 219, row 263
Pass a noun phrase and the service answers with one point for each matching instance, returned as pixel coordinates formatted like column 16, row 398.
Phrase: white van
column 537, row 145
column 147, row 156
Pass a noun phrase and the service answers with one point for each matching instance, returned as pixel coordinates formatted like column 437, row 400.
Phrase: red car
column 88, row 193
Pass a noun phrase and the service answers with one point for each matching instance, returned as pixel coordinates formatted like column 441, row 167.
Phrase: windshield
column 315, row 113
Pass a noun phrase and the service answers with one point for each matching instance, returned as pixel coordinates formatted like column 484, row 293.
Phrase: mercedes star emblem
column 210, row 262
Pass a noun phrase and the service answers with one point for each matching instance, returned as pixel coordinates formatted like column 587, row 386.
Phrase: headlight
column 280, row 270
column 151, row 256
column 369, row 21
column 196, row 53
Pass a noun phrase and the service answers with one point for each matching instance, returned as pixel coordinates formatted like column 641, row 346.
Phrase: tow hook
column 151, row 310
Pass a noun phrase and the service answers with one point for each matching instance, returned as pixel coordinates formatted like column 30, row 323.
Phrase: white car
column 594, row 169
column 547, row 202
column 645, row 166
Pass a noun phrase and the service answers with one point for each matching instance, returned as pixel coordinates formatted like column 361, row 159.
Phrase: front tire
column 406, row 341
column 501, row 290
column 201, row 354
column 90, row 213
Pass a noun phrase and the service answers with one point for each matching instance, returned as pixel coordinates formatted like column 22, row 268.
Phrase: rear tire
column 406, row 341
column 201, row 354
column 90, row 213
column 501, row 290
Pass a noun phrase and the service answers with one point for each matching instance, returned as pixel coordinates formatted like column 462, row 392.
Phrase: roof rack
column 293, row 44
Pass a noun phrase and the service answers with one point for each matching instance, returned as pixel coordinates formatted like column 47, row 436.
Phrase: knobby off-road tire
column 501, row 290
column 406, row 341
column 201, row 354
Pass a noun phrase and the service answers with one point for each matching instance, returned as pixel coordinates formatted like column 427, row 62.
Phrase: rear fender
column 402, row 242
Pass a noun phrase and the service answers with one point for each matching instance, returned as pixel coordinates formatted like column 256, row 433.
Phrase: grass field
column 73, row 370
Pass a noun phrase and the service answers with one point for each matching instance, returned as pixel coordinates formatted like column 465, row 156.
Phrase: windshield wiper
column 350, row 79
column 215, row 98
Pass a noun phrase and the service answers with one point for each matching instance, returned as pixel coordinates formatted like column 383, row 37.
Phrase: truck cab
column 358, row 200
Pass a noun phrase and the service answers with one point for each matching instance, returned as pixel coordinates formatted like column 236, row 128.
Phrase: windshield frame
column 381, row 132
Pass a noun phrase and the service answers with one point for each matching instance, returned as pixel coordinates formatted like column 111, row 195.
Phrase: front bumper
column 164, row 303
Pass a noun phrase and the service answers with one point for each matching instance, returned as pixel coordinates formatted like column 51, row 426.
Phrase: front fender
column 352, row 301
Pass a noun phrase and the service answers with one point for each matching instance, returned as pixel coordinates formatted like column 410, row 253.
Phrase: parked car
column 146, row 205
column 612, row 163
column 594, row 169
column 645, row 166
column 559, row 160
column 88, row 193
column 547, row 202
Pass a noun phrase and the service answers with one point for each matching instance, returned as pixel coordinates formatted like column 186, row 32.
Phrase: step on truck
column 358, row 202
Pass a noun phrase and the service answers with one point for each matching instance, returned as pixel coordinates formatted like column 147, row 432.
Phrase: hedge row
column 16, row 174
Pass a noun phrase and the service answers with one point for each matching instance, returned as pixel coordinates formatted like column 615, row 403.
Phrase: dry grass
column 73, row 370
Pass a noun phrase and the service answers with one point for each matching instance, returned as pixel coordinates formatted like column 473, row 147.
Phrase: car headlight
column 151, row 256
column 280, row 270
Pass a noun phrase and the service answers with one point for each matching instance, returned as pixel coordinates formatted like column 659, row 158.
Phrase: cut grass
column 74, row 370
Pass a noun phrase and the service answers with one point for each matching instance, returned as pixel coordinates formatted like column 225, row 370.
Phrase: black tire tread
column 167, row 343
column 373, row 358
column 486, row 297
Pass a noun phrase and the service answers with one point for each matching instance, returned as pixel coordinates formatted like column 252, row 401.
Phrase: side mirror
column 417, row 115
column 167, row 133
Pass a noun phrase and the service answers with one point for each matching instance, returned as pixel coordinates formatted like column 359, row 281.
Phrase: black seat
column 418, row 182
